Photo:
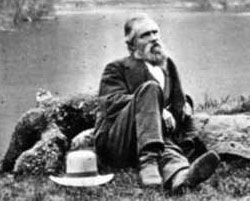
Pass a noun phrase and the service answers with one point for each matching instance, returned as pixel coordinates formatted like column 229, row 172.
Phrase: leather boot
column 200, row 170
column 149, row 169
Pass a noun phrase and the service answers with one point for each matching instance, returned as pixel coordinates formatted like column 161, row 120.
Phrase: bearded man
column 142, row 111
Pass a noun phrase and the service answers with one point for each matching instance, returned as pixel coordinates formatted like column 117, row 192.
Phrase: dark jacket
column 120, row 80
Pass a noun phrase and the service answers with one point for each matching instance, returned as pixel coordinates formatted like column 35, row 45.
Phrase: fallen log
column 226, row 134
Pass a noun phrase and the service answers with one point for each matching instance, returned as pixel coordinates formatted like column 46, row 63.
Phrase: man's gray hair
column 129, row 31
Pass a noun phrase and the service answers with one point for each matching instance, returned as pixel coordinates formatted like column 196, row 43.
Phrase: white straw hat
column 81, row 170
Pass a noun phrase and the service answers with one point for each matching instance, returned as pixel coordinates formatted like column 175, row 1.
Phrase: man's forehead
column 145, row 25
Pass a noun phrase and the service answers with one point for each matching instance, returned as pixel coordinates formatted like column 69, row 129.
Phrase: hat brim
column 82, row 181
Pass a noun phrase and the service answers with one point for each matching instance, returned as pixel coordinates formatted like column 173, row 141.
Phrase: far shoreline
column 9, row 15
column 73, row 7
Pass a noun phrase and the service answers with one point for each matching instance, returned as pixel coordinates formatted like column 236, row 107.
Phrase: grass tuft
column 225, row 105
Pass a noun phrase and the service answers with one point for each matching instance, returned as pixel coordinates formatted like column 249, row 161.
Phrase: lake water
column 68, row 55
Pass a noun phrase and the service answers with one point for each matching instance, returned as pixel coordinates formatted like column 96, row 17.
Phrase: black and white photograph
column 124, row 100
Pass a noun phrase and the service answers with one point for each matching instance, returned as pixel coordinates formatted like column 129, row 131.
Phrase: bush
column 17, row 11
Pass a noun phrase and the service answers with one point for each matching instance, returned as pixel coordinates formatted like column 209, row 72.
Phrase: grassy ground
column 230, row 182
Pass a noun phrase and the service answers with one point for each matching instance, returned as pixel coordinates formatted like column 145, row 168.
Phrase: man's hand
column 187, row 109
column 169, row 120
column 82, row 140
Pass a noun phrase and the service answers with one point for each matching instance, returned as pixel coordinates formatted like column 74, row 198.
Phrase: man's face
column 147, row 42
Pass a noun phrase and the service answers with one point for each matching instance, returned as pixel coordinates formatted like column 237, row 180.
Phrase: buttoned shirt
column 157, row 73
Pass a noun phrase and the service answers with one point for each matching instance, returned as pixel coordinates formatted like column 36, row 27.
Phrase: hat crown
column 81, row 161
column 81, row 170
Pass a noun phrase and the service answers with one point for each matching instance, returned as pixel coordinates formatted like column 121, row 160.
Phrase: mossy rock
column 71, row 115
column 46, row 156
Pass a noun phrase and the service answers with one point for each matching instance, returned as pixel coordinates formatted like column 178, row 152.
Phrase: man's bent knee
column 151, row 85
column 151, row 88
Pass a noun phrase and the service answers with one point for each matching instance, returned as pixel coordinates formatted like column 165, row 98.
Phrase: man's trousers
column 139, row 130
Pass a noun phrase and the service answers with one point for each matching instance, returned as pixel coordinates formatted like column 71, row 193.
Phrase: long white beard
column 154, row 54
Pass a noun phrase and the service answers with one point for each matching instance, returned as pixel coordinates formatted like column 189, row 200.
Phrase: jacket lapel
column 167, row 86
column 135, row 73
